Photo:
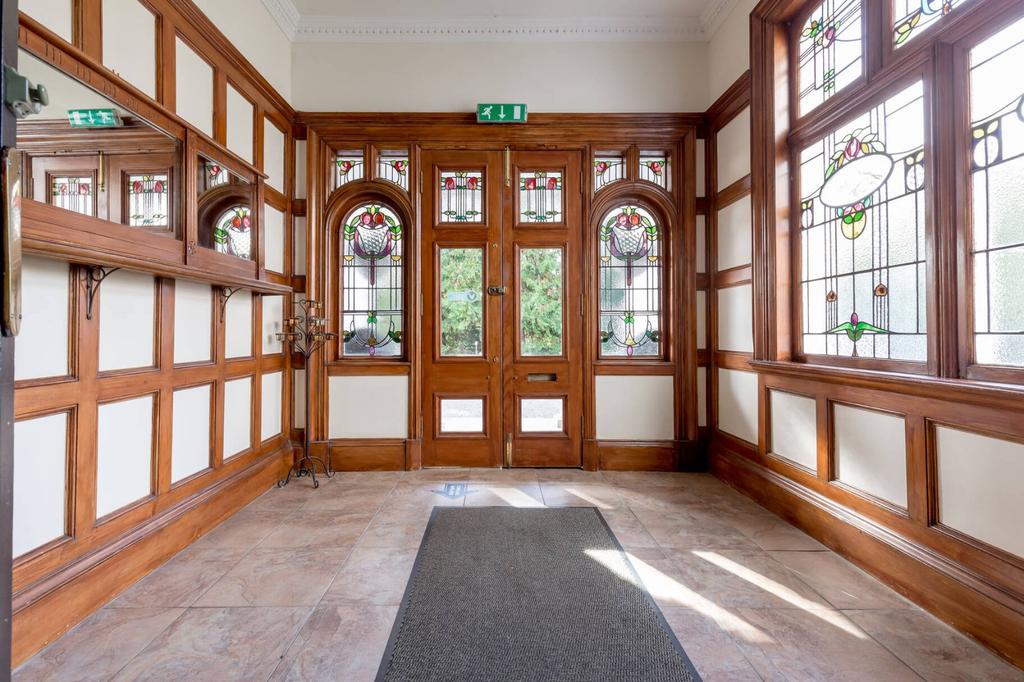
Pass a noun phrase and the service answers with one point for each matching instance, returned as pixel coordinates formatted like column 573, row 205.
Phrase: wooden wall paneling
column 87, row 27
column 220, row 107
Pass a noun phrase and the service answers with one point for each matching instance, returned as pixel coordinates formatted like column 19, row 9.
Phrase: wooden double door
column 502, row 349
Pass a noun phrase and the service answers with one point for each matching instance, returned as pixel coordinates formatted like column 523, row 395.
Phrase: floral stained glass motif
column 147, row 199
column 462, row 197
column 348, row 167
column 232, row 233
column 654, row 167
column 372, row 280
column 862, row 236
column 912, row 17
column 630, row 279
column 830, row 50
column 997, row 138
column 540, row 197
column 74, row 193
column 608, row 168
column 394, row 167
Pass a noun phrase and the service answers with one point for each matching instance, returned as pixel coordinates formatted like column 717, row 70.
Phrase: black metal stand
column 306, row 336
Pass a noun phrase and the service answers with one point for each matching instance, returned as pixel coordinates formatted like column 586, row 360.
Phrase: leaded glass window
column 211, row 175
column 830, row 51
column 74, row 193
column 372, row 270
column 462, row 197
column 608, row 167
column 630, row 280
column 232, row 233
column 540, row 197
column 348, row 167
column 654, row 167
column 393, row 166
column 997, row 186
column 862, row 219
column 147, row 199
column 912, row 17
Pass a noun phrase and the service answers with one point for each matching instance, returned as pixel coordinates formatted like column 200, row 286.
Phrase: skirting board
column 918, row 573
column 79, row 589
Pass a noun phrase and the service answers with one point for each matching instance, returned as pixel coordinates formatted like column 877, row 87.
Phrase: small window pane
column 912, row 17
column 997, row 138
column 540, row 302
column 462, row 416
column 74, row 193
column 654, row 167
column 540, row 197
column 212, row 175
column 147, row 200
column 372, row 269
column 608, row 167
column 630, row 278
column 863, row 235
column 393, row 166
column 348, row 167
column 462, row 302
column 541, row 415
column 232, row 233
column 462, row 197
column 830, row 51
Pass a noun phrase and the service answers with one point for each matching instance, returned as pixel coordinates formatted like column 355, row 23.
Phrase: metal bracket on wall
column 225, row 295
column 94, row 277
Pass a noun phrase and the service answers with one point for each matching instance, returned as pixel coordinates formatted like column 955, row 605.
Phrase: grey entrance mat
column 499, row 593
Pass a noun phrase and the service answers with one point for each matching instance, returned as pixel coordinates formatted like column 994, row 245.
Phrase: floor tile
column 396, row 529
column 340, row 497
column 277, row 577
column 372, row 575
column 582, row 495
column 182, row 580
column 244, row 530
column 511, row 494
column 710, row 648
column 844, row 585
column 769, row 532
column 628, row 529
column 318, row 530
column 692, row 530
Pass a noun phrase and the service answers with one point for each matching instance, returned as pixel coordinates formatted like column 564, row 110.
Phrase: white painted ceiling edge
column 329, row 29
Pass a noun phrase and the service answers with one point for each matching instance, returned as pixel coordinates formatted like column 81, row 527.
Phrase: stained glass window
column 654, row 167
column 540, row 302
column 147, row 199
column 211, row 175
column 912, row 17
column 630, row 277
column 997, row 180
column 462, row 197
column 74, row 193
column 830, row 51
column 232, row 233
column 608, row 167
column 540, row 197
column 348, row 167
column 862, row 219
column 393, row 166
column 372, row 274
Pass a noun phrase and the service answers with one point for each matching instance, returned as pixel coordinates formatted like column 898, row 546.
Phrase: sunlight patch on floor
column 515, row 497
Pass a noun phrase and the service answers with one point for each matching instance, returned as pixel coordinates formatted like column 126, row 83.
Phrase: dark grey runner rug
column 500, row 593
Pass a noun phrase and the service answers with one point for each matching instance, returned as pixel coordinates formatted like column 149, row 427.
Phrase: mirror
column 88, row 155
column 224, row 209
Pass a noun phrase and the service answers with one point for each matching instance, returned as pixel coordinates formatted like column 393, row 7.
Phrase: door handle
column 496, row 291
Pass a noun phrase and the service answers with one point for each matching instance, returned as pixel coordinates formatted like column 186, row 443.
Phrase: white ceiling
column 497, row 20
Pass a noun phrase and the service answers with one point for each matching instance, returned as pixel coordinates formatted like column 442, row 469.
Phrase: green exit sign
column 501, row 113
column 94, row 118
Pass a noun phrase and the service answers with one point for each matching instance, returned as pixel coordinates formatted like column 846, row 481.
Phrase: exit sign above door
column 501, row 113
column 94, row 118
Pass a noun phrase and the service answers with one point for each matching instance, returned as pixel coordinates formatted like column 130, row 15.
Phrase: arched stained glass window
column 232, row 233
column 630, row 267
column 372, row 286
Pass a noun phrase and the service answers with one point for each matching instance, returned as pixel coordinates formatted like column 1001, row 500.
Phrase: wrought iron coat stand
column 306, row 335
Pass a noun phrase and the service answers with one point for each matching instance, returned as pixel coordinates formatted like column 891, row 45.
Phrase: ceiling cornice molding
column 713, row 16
column 286, row 14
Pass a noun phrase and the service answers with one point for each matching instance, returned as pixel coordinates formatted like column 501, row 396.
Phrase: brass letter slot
column 540, row 376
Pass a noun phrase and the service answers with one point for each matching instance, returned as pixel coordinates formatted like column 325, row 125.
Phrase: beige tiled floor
column 304, row 584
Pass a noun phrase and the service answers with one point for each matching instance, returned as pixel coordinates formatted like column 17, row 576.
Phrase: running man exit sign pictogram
column 501, row 113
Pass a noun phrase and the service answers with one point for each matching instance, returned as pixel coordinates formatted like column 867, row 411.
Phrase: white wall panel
column 237, row 416
column 635, row 407
column 273, row 155
column 129, row 43
column 300, row 169
column 127, row 312
column 355, row 407
column 702, row 319
column 702, row 396
column 273, row 322
column 299, row 246
column 190, row 433
column 979, row 487
column 270, row 412
column 238, row 325
column 53, row 14
column 735, row 318
column 702, row 244
column 299, row 398
column 124, row 453
column 733, row 145
column 42, row 347
column 794, row 425
column 273, row 232
column 239, row 124
column 193, row 87
column 729, row 47
column 871, row 452
column 737, row 403
column 40, row 475
column 735, row 235
column 193, row 321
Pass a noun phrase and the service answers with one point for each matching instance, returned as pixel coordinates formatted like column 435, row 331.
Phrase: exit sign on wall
column 94, row 118
column 501, row 113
